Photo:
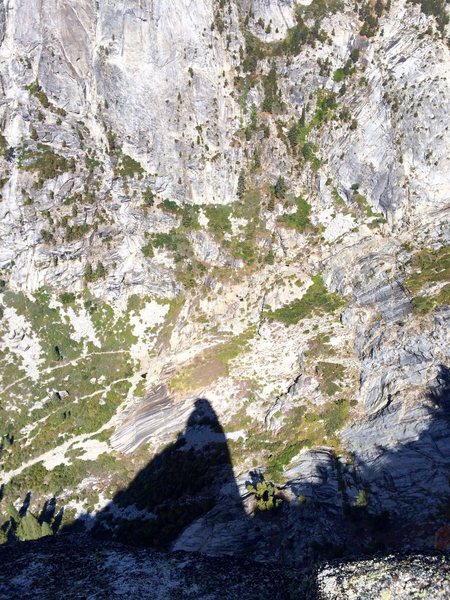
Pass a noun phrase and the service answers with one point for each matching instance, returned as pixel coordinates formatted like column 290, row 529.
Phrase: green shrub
column 316, row 301
column 265, row 495
column 36, row 90
column 170, row 206
column 46, row 163
column 129, row 167
column 189, row 216
column 361, row 499
column 147, row 250
column 218, row 216
column 67, row 297
column 330, row 372
column 3, row 146
column 29, row 528
column 300, row 219
column 175, row 242
column 280, row 188
column 148, row 197
column 429, row 267
column 93, row 275
column 335, row 416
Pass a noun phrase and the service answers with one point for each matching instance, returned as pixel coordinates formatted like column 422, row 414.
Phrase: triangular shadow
column 179, row 485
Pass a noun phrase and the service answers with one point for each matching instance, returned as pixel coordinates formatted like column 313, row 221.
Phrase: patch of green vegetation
column 46, row 163
column 175, row 242
column 301, row 429
column 148, row 197
column 369, row 14
column 320, row 346
column 67, row 297
column 300, row 219
column 36, row 90
column 297, row 36
column 147, row 250
column 80, row 385
column 282, row 457
column 3, row 146
column 425, row 304
column 316, row 301
column 244, row 245
column 129, row 167
column 329, row 374
column 272, row 96
column 211, row 364
column 325, row 107
column 339, row 75
column 91, row 161
column 24, row 526
column 170, row 206
column 348, row 68
column 298, row 133
column 62, row 478
column 188, row 213
column 429, row 267
column 189, row 217
column 218, row 216
column 175, row 307
column 91, row 274
column 335, row 416
column 266, row 496
column 280, row 188
column 363, row 205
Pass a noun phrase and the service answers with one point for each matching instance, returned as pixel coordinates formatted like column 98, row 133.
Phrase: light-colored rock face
column 158, row 69
column 245, row 202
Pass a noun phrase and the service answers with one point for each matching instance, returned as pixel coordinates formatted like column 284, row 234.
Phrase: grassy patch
column 210, row 365
column 429, row 267
column 300, row 219
column 218, row 219
column 316, row 301
column 129, row 167
column 36, row 90
column 302, row 429
column 175, row 307
column 46, row 163
column 79, row 386
column 244, row 245
column 320, row 346
column 330, row 373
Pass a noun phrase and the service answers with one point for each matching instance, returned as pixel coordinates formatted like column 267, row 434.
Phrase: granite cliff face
column 244, row 202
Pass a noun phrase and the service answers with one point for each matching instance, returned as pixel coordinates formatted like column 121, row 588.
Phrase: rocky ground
column 78, row 567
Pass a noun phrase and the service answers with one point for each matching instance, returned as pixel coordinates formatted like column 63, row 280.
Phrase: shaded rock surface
column 78, row 567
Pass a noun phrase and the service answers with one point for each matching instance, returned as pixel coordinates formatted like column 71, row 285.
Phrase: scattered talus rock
column 386, row 578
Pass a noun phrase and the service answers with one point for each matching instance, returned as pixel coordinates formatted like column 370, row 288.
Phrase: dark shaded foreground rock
column 76, row 566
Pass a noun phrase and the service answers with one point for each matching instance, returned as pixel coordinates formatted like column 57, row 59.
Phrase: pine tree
column 241, row 185
column 29, row 528
column 88, row 272
column 280, row 188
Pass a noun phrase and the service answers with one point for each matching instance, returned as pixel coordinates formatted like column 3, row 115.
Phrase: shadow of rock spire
column 188, row 479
